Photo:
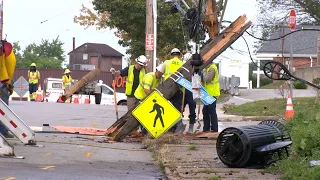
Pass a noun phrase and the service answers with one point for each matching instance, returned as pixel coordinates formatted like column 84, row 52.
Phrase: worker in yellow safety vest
column 34, row 77
column 169, row 67
column 134, row 74
column 210, row 81
column 7, row 68
column 149, row 82
column 66, row 80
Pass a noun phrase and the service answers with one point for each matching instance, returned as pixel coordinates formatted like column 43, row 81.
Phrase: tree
column 129, row 19
column 47, row 54
column 274, row 14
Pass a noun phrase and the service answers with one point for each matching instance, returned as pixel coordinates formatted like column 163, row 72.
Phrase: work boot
column 180, row 128
column 190, row 130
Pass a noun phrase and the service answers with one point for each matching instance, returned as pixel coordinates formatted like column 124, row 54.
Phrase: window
column 57, row 85
column 106, row 90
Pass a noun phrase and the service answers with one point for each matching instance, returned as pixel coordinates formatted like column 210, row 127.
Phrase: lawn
column 304, row 129
column 271, row 107
column 272, row 85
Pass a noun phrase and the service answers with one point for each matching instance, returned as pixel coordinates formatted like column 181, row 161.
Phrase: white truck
column 99, row 93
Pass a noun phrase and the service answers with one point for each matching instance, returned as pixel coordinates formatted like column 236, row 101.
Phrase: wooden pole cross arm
column 127, row 123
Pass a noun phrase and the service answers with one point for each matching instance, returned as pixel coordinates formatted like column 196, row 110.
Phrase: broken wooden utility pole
column 127, row 123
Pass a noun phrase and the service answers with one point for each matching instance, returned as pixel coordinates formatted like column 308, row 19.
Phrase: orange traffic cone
column 289, row 108
column 76, row 99
column 86, row 100
column 60, row 98
column 39, row 94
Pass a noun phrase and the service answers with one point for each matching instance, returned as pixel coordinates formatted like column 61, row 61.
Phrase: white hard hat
column 142, row 60
column 175, row 50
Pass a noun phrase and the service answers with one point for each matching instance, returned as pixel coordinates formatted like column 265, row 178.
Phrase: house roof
column 102, row 49
column 303, row 42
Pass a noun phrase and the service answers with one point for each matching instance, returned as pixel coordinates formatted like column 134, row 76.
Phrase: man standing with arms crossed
column 210, row 82
column 34, row 76
column 134, row 74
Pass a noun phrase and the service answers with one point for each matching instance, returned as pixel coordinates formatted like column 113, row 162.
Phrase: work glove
column 112, row 70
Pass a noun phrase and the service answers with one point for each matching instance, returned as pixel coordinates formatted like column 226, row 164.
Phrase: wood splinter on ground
column 127, row 123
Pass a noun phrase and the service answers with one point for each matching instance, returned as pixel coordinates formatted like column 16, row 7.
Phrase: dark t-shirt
column 136, row 73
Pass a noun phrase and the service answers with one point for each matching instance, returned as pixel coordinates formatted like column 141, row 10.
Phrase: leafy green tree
column 129, row 19
column 47, row 54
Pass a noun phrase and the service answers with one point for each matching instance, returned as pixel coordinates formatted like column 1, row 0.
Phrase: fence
column 106, row 77
column 308, row 73
column 227, row 84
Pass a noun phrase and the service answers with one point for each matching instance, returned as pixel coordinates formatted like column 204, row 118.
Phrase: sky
column 22, row 22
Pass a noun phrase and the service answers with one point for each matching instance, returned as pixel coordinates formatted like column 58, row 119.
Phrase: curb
column 43, row 129
column 248, row 118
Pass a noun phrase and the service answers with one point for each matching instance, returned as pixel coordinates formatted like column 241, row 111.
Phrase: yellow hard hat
column 33, row 64
column 67, row 71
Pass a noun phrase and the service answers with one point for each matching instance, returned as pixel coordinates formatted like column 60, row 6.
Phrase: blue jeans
column 5, row 98
column 210, row 118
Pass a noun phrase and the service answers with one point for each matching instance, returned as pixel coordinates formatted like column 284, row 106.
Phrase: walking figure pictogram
column 158, row 108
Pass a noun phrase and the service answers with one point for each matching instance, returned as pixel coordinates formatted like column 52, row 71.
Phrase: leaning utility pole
column 149, row 34
column 127, row 123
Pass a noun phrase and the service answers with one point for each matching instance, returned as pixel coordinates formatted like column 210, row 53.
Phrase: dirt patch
column 197, row 159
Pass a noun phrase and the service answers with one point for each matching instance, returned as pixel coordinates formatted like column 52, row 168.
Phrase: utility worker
column 34, row 77
column 147, row 84
column 150, row 81
column 134, row 74
column 169, row 67
column 66, row 80
column 210, row 81
column 7, row 67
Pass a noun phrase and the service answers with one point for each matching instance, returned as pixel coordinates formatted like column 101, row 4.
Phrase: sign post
column 292, row 24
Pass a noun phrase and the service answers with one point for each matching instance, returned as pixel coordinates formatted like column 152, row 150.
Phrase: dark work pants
column 5, row 99
column 210, row 118
column 192, row 106
column 176, row 101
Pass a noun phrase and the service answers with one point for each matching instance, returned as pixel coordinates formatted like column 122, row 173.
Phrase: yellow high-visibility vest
column 33, row 77
column 66, row 80
column 149, row 81
column 172, row 66
column 213, row 87
column 130, row 79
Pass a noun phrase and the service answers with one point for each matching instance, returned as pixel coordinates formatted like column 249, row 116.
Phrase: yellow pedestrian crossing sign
column 156, row 114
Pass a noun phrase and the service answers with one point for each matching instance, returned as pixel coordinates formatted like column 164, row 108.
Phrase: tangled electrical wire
column 192, row 22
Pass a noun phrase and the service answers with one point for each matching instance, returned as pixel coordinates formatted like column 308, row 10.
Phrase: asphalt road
column 72, row 156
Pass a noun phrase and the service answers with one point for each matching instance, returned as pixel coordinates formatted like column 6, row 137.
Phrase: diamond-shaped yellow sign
column 156, row 114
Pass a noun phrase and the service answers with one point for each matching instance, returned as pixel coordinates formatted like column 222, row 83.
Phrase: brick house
column 304, row 47
column 93, row 55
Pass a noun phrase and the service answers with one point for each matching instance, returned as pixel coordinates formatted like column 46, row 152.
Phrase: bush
column 299, row 85
column 305, row 135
